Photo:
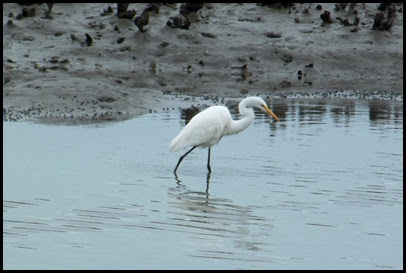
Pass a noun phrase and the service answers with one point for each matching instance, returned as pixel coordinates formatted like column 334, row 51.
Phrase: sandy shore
column 50, row 70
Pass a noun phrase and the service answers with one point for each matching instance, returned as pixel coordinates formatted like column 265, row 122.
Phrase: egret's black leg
column 208, row 162
column 182, row 157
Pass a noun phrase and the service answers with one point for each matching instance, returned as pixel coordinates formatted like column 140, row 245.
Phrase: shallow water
column 321, row 189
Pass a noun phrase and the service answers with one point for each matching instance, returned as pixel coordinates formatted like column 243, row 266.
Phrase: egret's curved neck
column 237, row 126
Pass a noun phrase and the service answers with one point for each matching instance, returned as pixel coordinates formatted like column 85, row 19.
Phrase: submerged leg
column 182, row 157
column 208, row 162
column 207, row 189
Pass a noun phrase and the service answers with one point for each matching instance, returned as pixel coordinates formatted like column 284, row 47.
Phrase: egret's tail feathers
column 179, row 143
column 174, row 146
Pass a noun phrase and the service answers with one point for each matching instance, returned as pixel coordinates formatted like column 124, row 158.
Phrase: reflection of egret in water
column 214, row 222
column 179, row 183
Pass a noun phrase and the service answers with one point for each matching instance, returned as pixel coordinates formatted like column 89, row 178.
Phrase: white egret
column 207, row 127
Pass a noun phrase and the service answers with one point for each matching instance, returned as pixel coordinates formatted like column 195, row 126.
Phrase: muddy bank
column 83, row 61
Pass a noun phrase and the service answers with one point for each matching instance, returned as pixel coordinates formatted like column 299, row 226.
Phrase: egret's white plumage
column 208, row 127
column 205, row 129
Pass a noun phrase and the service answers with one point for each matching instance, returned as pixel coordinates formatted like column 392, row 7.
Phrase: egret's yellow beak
column 270, row 112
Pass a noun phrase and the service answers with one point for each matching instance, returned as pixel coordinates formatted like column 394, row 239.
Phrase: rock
column 89, row 40
column 179, row 21
column 186, row 9
column 273, row 34
column 382, row 22
column 153, row 7
column 209, row 35
column 284, row 84
column 325, row 17
column 129, row 14
column 299, row 75
column 142, row 21
column 122, row 7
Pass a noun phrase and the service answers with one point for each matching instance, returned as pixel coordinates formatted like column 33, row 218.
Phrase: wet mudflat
column 323, row 188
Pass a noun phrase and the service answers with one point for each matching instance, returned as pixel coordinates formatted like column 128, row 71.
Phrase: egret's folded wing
column 204, row 130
